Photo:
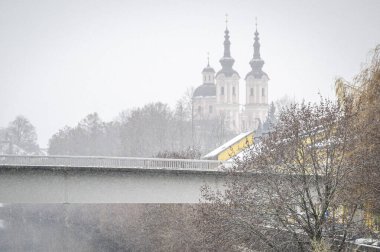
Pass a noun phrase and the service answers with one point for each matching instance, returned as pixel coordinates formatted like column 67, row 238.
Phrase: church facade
column 218, row 96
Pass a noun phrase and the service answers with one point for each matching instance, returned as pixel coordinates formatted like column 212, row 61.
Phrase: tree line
column 152, row 130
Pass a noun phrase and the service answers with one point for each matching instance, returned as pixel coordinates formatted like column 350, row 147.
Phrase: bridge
column 69, row 179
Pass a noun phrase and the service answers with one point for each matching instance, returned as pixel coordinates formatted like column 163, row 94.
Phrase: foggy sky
column 61, row 60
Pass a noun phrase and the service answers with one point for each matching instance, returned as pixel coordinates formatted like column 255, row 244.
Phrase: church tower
column 204, row 96
column 256, row 108
column 227, row 88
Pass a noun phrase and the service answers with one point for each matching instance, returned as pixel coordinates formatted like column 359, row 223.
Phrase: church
column 218, row 96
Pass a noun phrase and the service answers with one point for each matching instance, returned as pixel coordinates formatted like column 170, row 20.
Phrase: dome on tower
column 208, row 87
column 205, row 90
column 208, row 69
column 257, row 71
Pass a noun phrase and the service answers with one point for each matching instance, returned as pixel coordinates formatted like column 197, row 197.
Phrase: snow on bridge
column 69, row 179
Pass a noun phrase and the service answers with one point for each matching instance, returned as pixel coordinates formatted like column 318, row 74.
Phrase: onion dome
column 256, row 62
column 227, row 61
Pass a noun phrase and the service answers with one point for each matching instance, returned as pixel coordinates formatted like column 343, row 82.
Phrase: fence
column 113, row 162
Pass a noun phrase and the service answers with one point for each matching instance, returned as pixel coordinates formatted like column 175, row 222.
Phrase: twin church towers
column 218, row 96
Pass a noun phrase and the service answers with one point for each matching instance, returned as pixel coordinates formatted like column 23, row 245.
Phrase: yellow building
column 232, row 147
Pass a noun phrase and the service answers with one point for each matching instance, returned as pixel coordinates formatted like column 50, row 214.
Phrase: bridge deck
column 63, row 179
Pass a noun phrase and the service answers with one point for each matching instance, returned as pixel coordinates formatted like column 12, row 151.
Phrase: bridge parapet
column 113, row 162
column 66, row 179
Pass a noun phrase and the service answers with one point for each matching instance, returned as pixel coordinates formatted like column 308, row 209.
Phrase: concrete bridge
column 68, row 179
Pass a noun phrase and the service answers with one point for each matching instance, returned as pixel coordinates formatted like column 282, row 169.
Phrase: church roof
column 208, row 69
column 227, row 72
column 257, row 74
column 207, row 89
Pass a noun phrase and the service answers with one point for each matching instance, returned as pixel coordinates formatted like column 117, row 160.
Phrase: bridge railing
column 113, row 162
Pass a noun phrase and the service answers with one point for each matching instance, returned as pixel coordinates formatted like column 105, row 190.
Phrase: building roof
column 228, row 72
column 207, row 89
column 208, row 69
column 226, row 145
column 257, row 74
column 250, row 150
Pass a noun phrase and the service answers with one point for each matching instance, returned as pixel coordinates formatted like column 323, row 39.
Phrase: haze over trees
column 152, row 130
column 141, row 132
column 91, row 136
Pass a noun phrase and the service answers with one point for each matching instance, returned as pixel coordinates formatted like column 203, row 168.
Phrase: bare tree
column 291, row 191
column 91, row 136
column 283, row 102
column 23, row 134
column 147, row 130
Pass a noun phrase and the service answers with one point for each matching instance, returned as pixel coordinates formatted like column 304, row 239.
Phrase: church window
column 210, row 109
column 263, row 92
column 209, row 77
column 233, row 91
column 251, row 91
column 222, row 90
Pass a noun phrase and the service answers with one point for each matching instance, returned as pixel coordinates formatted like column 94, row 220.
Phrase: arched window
column 222, row 90
column 233, row 91
column 251, row 93
column 263, row 92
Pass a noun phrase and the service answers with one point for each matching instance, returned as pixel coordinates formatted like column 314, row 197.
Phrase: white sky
column 61, row 60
